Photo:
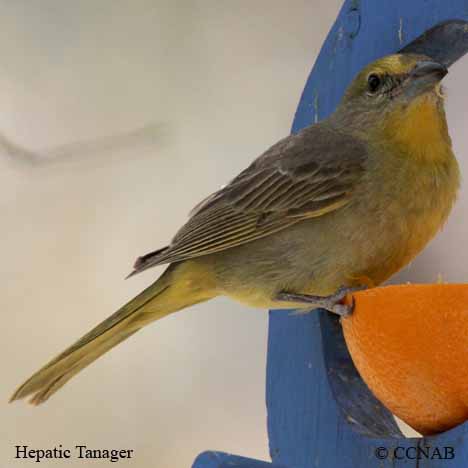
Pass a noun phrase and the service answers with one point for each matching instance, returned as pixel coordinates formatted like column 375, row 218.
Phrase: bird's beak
column 424, row 76
column 427, row 68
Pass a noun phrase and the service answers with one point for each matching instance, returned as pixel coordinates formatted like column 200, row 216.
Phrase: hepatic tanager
column 345, row 202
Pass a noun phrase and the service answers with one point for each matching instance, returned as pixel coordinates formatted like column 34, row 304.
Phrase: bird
column 340, row 205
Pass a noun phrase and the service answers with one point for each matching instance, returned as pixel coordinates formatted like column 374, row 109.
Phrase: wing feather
column 305, row 175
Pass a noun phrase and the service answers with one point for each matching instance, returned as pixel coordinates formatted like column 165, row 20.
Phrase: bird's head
column 399, row 97
column 394, row 82
column 395, row 78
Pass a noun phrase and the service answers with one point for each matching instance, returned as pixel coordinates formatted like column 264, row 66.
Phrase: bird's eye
column 373, row 83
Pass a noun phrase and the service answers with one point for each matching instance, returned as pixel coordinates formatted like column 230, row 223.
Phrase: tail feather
column 61, row 376
column 171, row 292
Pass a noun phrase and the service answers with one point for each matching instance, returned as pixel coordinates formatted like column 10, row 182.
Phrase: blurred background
column 116, row 118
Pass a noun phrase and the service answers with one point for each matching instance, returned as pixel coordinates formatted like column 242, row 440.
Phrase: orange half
column 410, row 345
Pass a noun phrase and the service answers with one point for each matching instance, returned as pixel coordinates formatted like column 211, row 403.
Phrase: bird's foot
column 332, row 303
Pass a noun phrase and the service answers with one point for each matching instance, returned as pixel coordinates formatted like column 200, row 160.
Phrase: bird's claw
column 332, row 303
column 343, row 310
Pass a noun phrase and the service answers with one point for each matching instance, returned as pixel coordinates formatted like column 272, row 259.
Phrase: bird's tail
column 179, row 286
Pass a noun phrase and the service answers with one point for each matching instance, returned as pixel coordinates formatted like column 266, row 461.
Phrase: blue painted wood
column 305, row 425
column 226, row 460
column 320, row 413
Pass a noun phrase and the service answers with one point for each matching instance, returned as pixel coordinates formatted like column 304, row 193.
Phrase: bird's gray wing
column 305, row 175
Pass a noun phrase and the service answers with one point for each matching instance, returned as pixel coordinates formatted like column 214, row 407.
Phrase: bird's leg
column 331, row 303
